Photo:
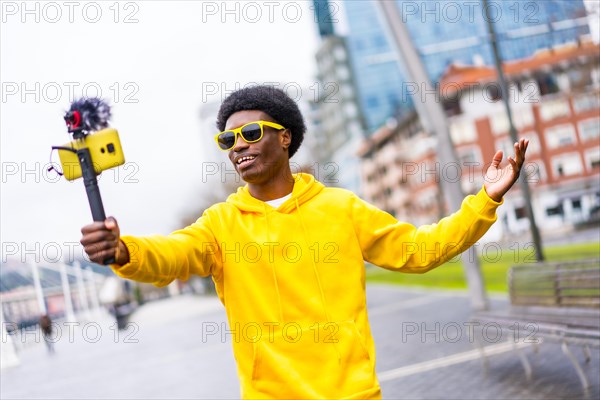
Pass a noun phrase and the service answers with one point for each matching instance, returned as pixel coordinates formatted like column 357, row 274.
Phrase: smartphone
column 105, row 150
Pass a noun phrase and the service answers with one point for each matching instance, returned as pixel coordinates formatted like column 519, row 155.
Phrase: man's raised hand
column 498, row 181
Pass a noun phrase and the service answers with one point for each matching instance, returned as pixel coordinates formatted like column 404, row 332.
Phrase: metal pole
column 535, row 233
column 8, row 353
column 433, row 119
column 69, row 313
column 90, row 275
column 81, row 289
column 39, row 293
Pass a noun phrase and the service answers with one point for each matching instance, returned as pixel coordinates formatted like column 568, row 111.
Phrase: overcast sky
column 157, row 62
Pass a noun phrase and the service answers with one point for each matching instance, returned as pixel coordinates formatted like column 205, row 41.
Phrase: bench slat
column 555, row 300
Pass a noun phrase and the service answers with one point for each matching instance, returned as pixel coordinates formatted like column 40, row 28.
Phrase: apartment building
column 555, row 99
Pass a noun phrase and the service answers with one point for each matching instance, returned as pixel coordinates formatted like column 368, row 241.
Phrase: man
column 46, row 327
column 287, row 255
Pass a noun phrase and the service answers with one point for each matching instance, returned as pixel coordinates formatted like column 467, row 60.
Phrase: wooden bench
column 552, row 301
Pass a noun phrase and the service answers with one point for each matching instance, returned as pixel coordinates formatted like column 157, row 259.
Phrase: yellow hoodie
column 292, row 280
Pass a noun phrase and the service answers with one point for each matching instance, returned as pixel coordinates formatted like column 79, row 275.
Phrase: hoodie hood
column 305, row 188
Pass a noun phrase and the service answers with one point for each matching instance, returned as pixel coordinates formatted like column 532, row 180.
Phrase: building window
column 531, row 90
column 523, row 118
column 494, row 93
column 499, row 123
column 452, row 106
column 505, row 145
column 559, row 136
column 589, row 129
column 595, row 77
column 552, row 211
column 343, row 73
column 535, row 171
column 346, row 92
column 563, row 82
column 534, row 143
column 339, row 53
column 585, row 102
column 558, row 108
column 469, row 156
column 520, row 212
column 547, row 84
column 325, row 63
column 463, row 130
column 350, row 110
column 579, row 79
column 567, row 165
column 592, row 159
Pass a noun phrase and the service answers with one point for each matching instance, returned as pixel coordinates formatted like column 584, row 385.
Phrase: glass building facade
column 446, row 32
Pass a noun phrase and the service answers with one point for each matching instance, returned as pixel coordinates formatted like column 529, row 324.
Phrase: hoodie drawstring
column 273, row 268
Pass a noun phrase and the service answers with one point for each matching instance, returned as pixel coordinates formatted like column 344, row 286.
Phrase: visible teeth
column 241, row 160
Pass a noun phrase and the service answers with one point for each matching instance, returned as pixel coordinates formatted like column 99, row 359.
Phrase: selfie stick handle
column 92, row 189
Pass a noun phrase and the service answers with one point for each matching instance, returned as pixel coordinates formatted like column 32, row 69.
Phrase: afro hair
column 270, row 100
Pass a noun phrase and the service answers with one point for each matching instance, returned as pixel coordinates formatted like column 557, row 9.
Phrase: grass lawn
column 495, row 264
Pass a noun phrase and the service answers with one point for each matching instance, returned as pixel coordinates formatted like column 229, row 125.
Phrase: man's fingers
column 520, row 148
column 98, row 236
column 525, row 145
column 95, row 226
column 99, row 256
column 514, row 165
column 100, row 245
column 111, row 223
column 101, row 239
column 497, row 158
column 519, row 151
column 96, row 250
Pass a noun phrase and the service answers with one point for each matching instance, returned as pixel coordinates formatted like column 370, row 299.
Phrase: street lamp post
column 535, row 233
column 433, row 119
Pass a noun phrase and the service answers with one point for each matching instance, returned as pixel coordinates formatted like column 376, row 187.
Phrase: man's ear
column 286, row 138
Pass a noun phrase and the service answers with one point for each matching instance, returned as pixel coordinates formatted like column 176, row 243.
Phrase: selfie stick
column 84, row 116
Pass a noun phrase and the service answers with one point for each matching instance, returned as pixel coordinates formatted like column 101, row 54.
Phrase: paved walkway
column 423, row 345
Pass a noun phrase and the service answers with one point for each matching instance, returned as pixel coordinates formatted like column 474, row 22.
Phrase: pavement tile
column 166, row 354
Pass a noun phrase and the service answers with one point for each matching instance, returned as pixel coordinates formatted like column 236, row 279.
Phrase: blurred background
column 165, row 67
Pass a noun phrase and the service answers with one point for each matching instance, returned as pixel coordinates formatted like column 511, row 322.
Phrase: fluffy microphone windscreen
column 94, row 112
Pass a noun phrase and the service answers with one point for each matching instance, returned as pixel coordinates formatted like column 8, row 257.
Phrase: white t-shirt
column 277, row 202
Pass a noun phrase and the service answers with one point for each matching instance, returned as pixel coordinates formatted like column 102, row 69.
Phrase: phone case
column 105, row 150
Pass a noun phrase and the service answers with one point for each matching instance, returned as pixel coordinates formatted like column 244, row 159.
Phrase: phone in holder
column 105, row 150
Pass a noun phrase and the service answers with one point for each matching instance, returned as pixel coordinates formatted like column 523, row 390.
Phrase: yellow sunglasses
column 251, row 132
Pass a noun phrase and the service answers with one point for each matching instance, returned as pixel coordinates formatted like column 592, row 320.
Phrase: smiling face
column 260, row 162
